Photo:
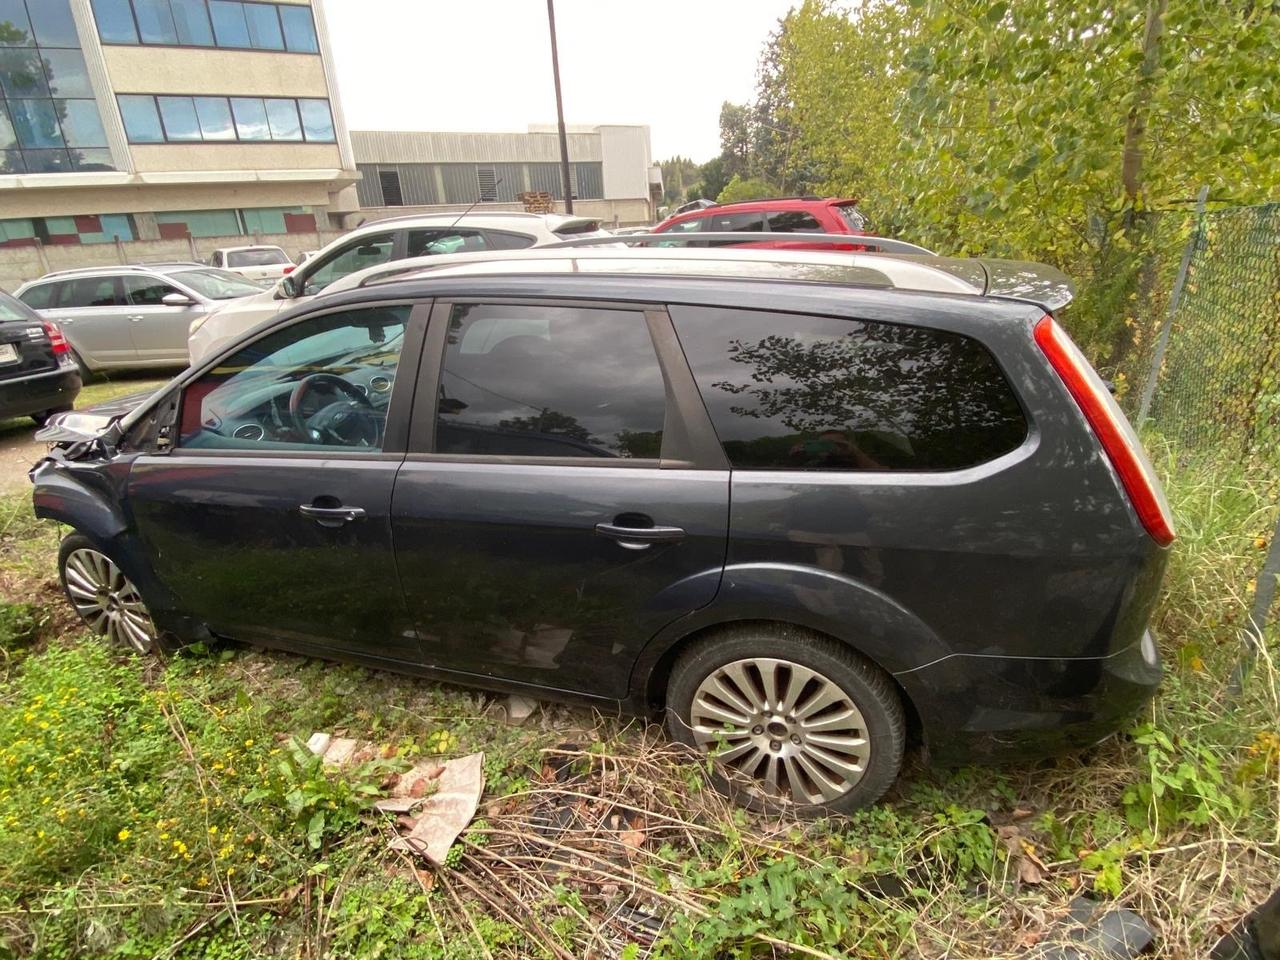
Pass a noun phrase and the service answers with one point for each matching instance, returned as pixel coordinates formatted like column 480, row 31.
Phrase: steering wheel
column 347, row 422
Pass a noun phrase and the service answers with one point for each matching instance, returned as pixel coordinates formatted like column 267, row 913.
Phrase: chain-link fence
column 1205, row 369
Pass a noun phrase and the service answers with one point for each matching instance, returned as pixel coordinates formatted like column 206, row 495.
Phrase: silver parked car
column 136, row 316
column 382, row 241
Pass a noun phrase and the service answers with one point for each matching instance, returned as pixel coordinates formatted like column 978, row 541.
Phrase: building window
column 104, row 228
column 389, row 180
column 206, row 23
column 162, row 119
column 178, row 225
column 49, row 121
column 488, row 183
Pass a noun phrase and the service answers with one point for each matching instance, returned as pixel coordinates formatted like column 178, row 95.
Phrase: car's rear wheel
column 106, row 599
column 794, row 721
column 43, row 417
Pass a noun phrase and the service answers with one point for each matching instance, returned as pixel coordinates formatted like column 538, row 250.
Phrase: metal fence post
column 1264, row 595
column 1149, row 390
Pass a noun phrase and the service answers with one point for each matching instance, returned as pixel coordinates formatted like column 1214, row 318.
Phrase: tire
column 43, row 417
column 86, row 375
column 105, row 599
column 816, row 680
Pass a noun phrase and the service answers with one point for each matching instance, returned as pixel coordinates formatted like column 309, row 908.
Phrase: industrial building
column 611, row 171
column 137, row 120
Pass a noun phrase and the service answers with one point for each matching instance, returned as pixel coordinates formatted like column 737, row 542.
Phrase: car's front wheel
column 106, row 599
column 793, row 721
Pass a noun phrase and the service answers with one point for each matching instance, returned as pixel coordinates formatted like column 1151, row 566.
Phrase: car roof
column 1006, row 279
column 250, row 246
column 515, row 219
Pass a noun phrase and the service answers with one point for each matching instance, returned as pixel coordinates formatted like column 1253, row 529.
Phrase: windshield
column 261, row 257
column 217, row 284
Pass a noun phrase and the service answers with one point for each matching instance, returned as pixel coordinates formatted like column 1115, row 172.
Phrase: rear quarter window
column 799, row 392
column 40, row 297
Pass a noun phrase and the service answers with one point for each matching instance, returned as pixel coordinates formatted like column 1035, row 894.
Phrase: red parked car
column 778, row 215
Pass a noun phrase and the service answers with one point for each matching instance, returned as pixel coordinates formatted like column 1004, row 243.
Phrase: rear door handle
column 332, row 516
column 639, row 538
column 135, row 319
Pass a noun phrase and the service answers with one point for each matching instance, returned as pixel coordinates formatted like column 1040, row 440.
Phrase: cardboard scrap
column 436, row 801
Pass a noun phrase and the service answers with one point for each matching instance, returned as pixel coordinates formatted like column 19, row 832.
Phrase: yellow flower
column 39, row 834
column 213, row 829
column 123, row 835
column 249, row 742
column 230, row 871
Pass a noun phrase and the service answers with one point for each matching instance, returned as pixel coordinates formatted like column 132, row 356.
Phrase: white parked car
column 254, row 263
column 382, row 241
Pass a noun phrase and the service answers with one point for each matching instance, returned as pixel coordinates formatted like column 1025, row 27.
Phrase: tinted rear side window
column 92, row 292
column 793, row 221
column 796, row 392
column 534, row 381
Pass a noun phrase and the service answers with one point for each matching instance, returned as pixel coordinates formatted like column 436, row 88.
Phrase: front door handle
column 136, row 319
column 331, row 516
column 639, row 538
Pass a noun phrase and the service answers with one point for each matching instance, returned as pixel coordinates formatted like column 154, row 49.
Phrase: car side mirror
column 176, row 300
column 289, row 286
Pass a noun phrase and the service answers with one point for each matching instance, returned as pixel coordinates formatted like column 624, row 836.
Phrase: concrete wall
column 60, row 200
column 227, row 73
column 622, row 213
column 20, row 264
column 215, row 157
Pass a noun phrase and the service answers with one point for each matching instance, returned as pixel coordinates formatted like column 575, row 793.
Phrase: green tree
column 1037, row 131
column 738, row 189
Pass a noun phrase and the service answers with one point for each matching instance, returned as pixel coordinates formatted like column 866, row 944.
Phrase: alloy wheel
column 794, row 733
column 107, row 600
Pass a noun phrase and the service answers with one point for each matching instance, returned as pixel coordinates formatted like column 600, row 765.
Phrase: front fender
column 869, row 621
column 80, row 497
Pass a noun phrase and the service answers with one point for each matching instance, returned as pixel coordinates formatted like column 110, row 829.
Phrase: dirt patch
column 18, row 451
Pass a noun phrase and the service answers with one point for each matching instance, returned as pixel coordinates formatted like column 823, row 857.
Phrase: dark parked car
column 810, row 506
column 38, row 375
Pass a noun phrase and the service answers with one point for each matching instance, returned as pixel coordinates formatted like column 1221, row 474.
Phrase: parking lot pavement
column 18, row 451
column 18, row 448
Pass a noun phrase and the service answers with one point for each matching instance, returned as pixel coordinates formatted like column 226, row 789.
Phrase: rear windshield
column 217, row 284
column 10, row 309
column 853, row 218
column 799, row 392
column 266, row 257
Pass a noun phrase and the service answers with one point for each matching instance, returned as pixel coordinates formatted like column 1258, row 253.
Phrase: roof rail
column 116, row 267
column 733, row 238
column 807, row 196
column 463, row 213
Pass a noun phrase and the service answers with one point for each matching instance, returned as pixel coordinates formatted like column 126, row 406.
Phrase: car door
column 95, row 320
column 563, row 498
column 159, row 330
column 269, row 517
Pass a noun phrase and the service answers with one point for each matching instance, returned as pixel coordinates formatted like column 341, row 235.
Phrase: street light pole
column 564, row 139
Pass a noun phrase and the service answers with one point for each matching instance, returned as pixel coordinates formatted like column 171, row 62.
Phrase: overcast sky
column 485, row 65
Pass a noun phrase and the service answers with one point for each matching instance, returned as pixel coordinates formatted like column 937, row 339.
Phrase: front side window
column 799, row 392
column 368, row 252
column 147, row 291
column 319, row 384
column 535, row 381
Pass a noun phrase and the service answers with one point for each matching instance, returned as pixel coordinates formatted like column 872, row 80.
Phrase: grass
column 164, row 810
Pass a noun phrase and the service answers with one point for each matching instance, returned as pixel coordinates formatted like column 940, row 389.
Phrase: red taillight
column 56, row 339
column 289, row 269
column 1111, row 427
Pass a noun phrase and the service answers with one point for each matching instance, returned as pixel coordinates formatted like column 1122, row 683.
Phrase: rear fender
column 849, row 610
